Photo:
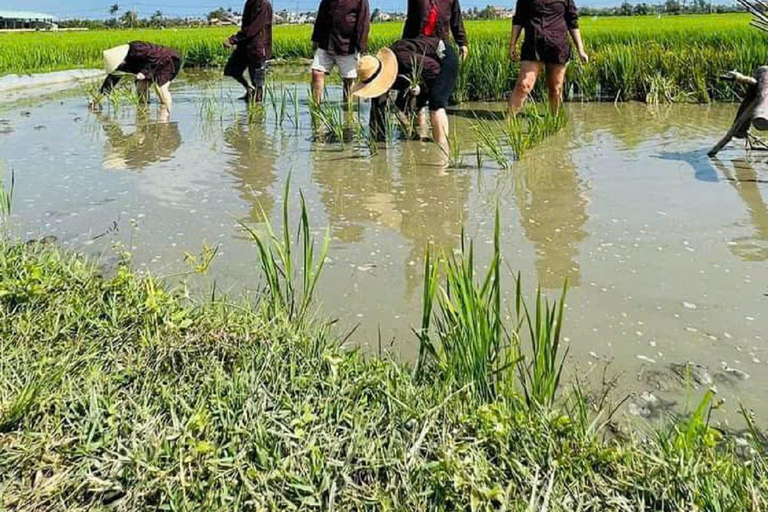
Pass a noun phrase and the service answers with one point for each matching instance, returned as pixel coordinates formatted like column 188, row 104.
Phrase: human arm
column 572, row 22
column 363, row 26
column 519, row 20
column 320, row 29
column 413, row 18
column 516, row 30
column 457, row 29
column 109, row 83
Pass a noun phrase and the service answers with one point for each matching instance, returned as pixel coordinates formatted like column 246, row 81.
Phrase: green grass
column 628, row 54
column 117, row 393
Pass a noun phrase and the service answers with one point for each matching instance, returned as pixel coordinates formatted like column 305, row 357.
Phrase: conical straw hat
column 375, row 75
column 114, row 57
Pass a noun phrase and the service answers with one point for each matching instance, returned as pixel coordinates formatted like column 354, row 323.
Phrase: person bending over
column 422, row 70
column 546, row 24
column 150, row 64
column 253, row 48
column 339, row 36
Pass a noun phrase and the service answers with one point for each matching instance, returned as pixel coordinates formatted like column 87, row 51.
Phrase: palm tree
column 114, row 9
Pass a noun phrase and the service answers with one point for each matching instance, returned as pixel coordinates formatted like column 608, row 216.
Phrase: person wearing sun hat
column 151, row 64
column 422, row 70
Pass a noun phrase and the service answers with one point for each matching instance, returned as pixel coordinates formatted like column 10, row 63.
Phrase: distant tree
column 219, row 14
column 129, row 18
column 157, row 18
column 114, row 9
column 641, row 9
column 672, row 7
column 376, row 13
column 625, row 9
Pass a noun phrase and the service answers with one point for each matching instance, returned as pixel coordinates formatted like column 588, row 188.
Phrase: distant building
column 20, row 20
column 503, row 12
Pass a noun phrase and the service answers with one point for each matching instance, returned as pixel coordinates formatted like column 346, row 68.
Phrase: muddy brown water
column 665, row 250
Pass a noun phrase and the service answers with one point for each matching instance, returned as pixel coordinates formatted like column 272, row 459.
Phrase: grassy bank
column 117, row 393
column 668, row 58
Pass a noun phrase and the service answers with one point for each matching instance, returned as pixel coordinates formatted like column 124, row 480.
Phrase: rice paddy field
column 653, row 58
column 266, row 307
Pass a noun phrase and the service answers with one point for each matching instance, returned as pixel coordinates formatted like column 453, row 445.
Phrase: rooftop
column 25, row 15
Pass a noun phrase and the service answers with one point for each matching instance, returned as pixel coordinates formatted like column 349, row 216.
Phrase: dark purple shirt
column 546, row 24
column 449, row 20
column 158, row 63
column 256, row 30
column 342, row 26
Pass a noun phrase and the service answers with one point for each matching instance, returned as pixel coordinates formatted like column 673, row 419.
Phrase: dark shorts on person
column 177, row 65
column 437, row 94
column 545, row 50
column 239, row 61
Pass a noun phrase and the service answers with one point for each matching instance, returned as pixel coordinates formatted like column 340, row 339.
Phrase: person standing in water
column 253, row 48
column 397, row 68
column 436, row 18
column 339, row 36
column 151, row 64
column 546, row 24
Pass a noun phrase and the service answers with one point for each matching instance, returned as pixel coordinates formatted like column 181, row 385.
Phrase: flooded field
column 665, row 250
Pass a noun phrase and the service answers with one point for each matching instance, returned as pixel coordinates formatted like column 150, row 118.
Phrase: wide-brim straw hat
column 114, row 57
column 375, row 75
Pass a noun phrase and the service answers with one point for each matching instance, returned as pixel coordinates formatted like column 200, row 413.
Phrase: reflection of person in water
column 252, row 163
column 746, row 182
column 150, row 143
column 354, row 198
column 433, row 205
column 553, row 211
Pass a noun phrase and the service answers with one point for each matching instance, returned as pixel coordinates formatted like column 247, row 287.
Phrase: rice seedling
column 469, row 346
column 6, row 195
column 276, row 259
column 328, row 119
column 540, row 377
column 487, row 136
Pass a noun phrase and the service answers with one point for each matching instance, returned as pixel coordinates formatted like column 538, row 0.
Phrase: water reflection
column 746, row 181
column 432, row 203
column 251, row 160
column 354, row 195
column 151, row 142
column 552, row 203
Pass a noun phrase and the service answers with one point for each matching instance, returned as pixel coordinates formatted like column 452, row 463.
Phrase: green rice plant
column 278, row 264
column 661, row 89
column 540, row 377
column 468, row 346
column 487, row 137
column 328, row 119
column 6, row 195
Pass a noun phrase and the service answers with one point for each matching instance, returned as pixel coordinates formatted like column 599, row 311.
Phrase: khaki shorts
column 325, row 60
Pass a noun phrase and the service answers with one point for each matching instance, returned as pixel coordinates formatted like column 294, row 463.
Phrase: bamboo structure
column 753, row 111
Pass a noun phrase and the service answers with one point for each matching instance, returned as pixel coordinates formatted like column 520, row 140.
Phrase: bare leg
column 164, row 93
column 421, row 123
column 439, row 120
column 318, row 85
column 555, row 79
column 248, row 87
column 526, row 80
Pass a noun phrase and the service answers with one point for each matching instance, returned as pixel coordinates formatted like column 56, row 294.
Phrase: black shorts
column 438, row 93
column 239, row 61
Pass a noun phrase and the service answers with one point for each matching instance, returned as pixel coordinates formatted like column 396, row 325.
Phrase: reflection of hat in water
column 375, row 75
column 114, row 57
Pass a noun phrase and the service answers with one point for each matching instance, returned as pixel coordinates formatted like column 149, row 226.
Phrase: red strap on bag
column 430, row 27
